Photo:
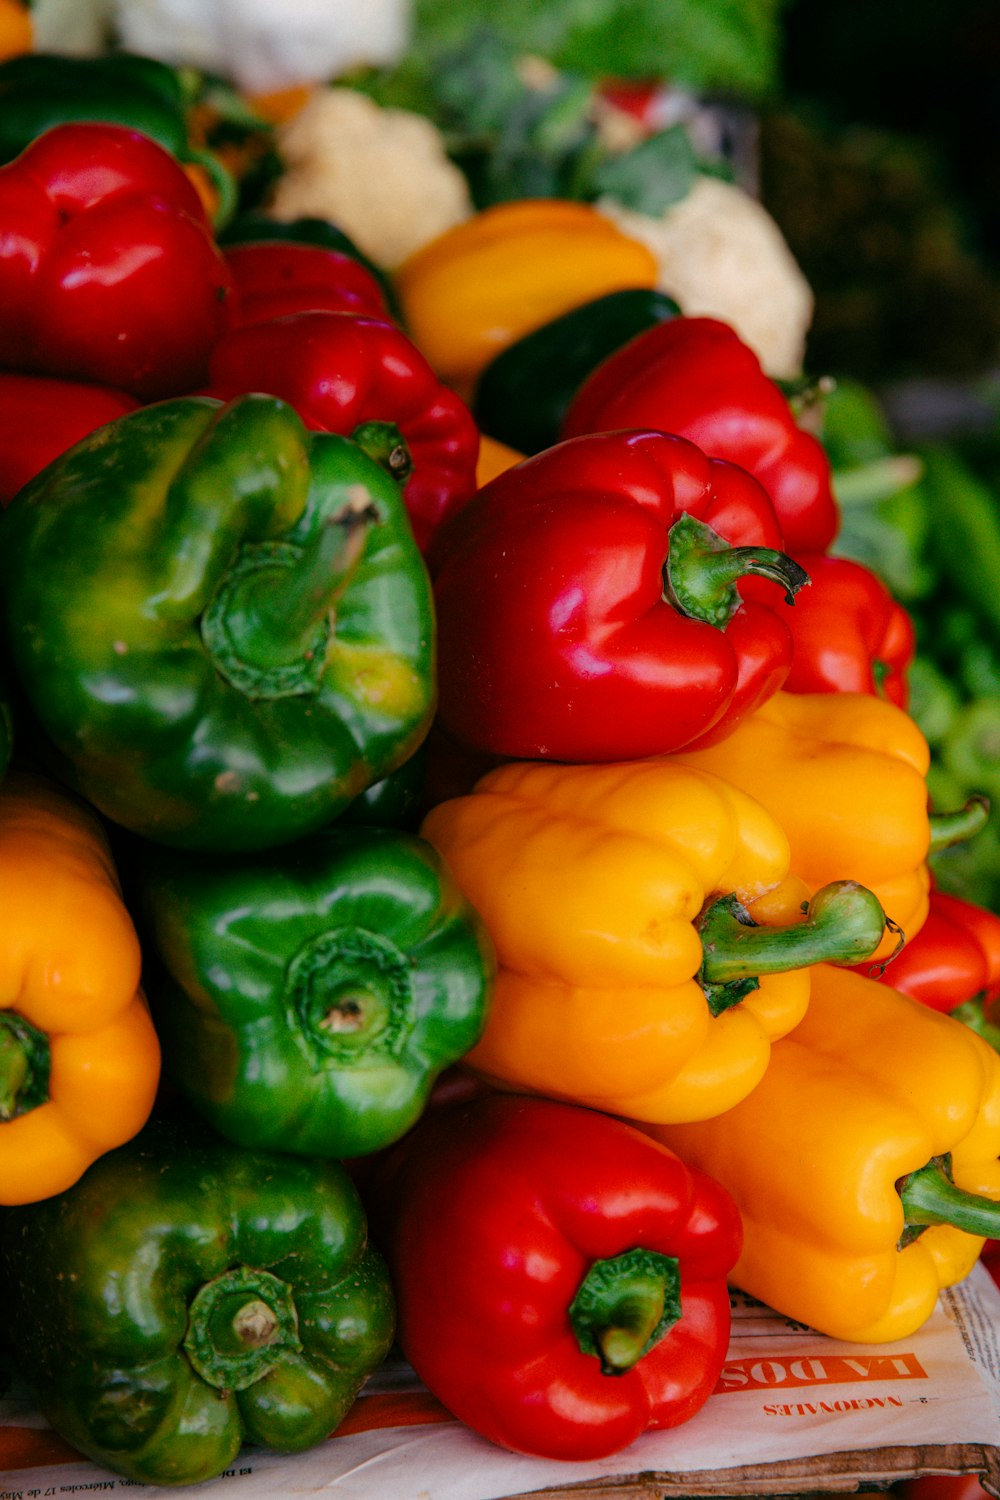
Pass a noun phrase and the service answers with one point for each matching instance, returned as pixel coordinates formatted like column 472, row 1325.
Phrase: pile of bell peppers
column 445, row 674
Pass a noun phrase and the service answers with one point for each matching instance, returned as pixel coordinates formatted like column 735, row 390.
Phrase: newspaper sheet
column 793, row 1411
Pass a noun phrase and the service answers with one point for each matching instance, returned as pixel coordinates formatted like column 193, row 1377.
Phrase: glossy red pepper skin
column 340, row 370
column 491, row 1213
column 40, row 418
column 696, row 377
column 554, row 636
column 953, row 958
column 850, row 634
column 108, row 269
column 275, row 277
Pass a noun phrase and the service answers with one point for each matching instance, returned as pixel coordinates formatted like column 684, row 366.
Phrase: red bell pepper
column 850, row 634
column 342, row 371
column 108, row 269
column 275, row 277
column 561, row 1286
column 952, row 960
column 40, row 418
column 596, row 602
column 697, row 378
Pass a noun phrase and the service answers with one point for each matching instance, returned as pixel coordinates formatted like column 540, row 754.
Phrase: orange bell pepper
column 845, row 776
column 621, row 900
column 79, row 1058
column 17, row 32
column 864, row 1164
column 507, row 270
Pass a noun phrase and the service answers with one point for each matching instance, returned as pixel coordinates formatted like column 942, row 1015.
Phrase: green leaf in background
column 729, row 47
column 648, row 179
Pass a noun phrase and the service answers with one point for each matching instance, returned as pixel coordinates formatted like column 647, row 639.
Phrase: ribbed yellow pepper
column 79, row 1059
column 845, row 775
column 616, row 984
column 507, row 270
column 868, row 1090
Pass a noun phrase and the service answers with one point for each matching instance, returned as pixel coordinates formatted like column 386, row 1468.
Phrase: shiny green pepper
column 307, row 999
column 186, row 1297
column 220, row 621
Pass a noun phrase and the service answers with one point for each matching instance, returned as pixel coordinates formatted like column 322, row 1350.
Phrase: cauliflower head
column 721, row 255
column 382, row 175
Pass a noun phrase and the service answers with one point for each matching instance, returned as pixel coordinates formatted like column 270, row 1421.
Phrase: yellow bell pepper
column 620, row 899
column 473, row 290
column 79, row 1058
column 840, row 1158
column 494, row 458
column 845, row 775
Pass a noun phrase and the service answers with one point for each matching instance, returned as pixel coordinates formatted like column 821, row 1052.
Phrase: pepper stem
column 956, row 827
column 624, row 1305
column 383, row 442
column 930, row 1196
column 24, row 1066
column 702, row 571
column 240, row 1325
column 268, row 626
column 844, row 924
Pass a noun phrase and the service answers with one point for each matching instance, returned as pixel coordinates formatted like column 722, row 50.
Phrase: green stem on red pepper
column 702, row 571
column 624, row 1306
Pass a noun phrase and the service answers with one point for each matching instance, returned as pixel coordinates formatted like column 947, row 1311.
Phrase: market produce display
column 470, row 765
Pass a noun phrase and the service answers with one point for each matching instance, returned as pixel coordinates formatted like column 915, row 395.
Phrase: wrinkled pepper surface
column 342, row 371
column 307, row 1000
column 696, row 377
column 589, row 1302
column 844, row 774
column 259, row 1309
column 522, row 396
column 41, row 89
column 864, row 1164
column 108, row 269
column 220, row 621
column 473, row 290
column 850, row 634
column 272, row 278
column 40, row 418
column 79, row 1058
column 615, row 596
column 621, row 900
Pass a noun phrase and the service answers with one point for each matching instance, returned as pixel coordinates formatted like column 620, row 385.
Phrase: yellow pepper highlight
column 507, row 270
column 845, row 775
column 590, row 879
column 79, row 1058
column 871, row 1086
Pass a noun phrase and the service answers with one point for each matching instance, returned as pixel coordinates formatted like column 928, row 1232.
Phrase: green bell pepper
column 220, row 621
column 186, row 1297
column 42, row 89
column 307, row 1000
column 524, row 393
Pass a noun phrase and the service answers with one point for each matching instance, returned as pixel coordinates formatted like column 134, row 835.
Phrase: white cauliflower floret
column 721, row 255
column 263, row 46
column 381, row 175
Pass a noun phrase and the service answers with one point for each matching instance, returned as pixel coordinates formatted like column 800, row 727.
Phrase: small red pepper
column 952, row 960
column 850, row 634
column 108, row 269
column 560, row 1278
column 40, row 418
column 696, row 377
column 275, row 277
column 596, row 602
column 342, row 371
